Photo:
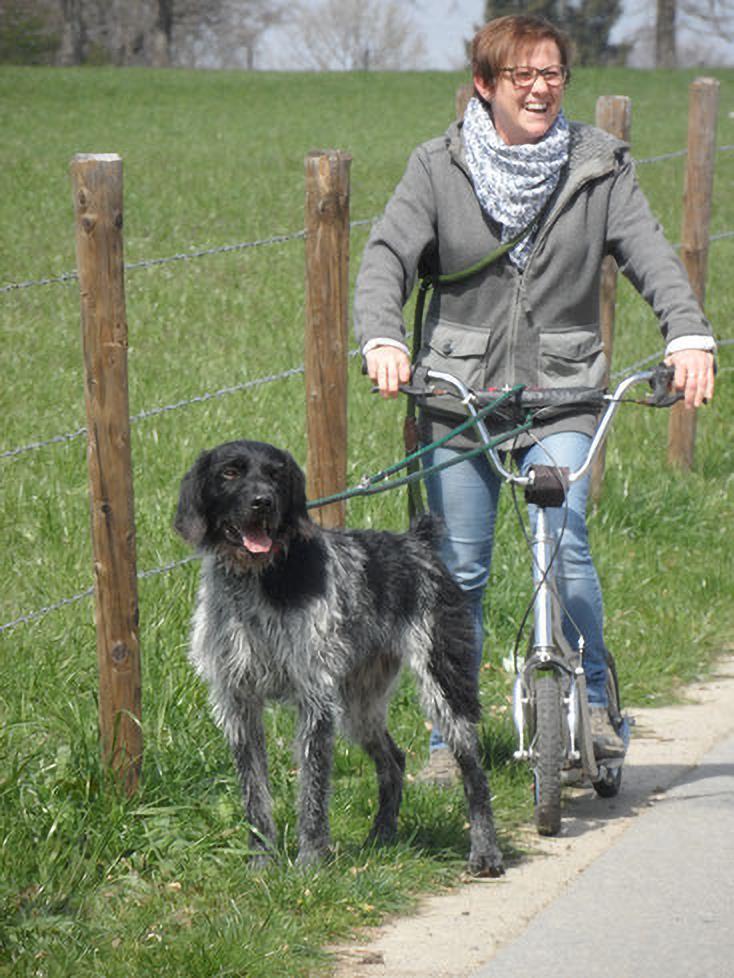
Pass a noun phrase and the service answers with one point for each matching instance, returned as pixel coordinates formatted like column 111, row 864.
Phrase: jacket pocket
column 457, row 349
column 572, row 357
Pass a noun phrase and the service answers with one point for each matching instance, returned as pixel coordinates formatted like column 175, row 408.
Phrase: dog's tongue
column 256, row 541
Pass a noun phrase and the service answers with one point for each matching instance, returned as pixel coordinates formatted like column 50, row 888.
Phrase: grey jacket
column 539, row 327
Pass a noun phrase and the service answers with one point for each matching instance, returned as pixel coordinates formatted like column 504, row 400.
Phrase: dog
column 287, row 610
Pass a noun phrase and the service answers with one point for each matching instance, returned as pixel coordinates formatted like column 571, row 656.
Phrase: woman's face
column 525, row 114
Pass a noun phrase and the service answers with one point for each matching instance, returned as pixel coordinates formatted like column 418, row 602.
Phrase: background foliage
column 589, row 23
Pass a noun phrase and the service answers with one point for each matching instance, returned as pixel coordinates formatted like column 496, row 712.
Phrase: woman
column 516, row 168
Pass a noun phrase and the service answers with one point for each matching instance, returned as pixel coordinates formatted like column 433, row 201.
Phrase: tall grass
column 93, row 884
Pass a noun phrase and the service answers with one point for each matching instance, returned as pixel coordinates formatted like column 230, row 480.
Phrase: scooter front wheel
column 548, row 752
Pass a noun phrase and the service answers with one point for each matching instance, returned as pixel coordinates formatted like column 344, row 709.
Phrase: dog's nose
column 262, row 504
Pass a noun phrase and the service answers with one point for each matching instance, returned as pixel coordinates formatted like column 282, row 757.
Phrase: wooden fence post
column 703, row 98
column 97, row 187
column 326, row 335
column 613, row 114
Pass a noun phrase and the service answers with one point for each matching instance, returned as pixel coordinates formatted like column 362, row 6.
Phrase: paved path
column 657, row 904
column 658, row 860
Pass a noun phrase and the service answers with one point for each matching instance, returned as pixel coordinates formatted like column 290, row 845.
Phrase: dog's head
column 245, row 500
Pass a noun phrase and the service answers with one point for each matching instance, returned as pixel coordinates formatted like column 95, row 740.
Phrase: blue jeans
column 466, row 495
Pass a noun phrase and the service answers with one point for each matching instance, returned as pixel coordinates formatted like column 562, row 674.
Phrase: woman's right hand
column 388, row 367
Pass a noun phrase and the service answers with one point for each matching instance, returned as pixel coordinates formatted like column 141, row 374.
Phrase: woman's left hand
column 694, row 375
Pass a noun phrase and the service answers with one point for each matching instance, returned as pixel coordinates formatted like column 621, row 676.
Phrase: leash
column 416, row 505
column 371, row 485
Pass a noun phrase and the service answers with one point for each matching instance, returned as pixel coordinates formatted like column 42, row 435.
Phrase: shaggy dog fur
column 324, row 619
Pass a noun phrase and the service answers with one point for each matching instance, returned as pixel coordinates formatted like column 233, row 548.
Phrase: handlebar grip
column 591, row 397
column 534, row 398
column 662, row 378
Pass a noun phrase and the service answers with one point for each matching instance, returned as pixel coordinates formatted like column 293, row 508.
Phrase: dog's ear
column 297, row 514
column 190, row 519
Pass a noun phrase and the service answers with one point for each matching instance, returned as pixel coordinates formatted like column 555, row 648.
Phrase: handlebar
column 428, row 383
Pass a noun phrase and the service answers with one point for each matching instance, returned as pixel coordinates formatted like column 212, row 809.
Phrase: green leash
column 416, row 505
column 381, row 481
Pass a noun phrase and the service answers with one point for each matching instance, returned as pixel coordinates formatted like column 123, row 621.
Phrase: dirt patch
column 454, row 934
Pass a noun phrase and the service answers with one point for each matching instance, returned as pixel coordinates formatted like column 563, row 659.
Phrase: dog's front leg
column 247, row 740
column 316, row 747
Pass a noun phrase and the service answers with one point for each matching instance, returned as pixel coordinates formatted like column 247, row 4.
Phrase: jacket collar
column 592, row 152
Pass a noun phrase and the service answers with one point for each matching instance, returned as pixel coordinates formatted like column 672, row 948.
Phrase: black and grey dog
column 324, row 619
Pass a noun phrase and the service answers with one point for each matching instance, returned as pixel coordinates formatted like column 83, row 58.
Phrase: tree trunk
column 119, row 32
column 72, row 33
column 665, row 53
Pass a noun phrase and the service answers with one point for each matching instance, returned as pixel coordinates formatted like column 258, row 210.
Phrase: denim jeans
column 466, row 495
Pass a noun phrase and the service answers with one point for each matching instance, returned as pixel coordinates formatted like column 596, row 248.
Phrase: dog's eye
column 229, row 474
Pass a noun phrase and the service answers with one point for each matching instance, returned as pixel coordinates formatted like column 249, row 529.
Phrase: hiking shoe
column 441, row 770
column 607, row 742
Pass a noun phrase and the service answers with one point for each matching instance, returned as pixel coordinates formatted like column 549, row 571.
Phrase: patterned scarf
column 513, row 183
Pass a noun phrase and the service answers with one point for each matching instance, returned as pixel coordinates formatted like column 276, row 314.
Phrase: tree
column 682, row 33
column 220, row 33
column 354, row 34
column 188, row 33
column 588, row 22
column 665, row 52
column 28, row 32
column 117, row 32
column 706, row 20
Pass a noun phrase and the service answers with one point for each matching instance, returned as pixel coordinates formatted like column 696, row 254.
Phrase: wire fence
column 67, row 277
column 39, row 613
column 286, row 374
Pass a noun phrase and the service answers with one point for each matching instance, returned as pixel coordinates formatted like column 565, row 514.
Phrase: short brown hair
column 496, row 43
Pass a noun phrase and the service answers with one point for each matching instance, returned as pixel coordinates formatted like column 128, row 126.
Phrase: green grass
column 91, row 884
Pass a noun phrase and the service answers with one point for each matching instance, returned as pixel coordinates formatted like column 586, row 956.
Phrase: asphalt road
column 639, row 886
column 657, row 904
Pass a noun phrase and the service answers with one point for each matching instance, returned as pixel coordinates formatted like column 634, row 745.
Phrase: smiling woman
column 560, row 196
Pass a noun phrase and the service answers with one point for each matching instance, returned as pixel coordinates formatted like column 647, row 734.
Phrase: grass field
column 91, row 884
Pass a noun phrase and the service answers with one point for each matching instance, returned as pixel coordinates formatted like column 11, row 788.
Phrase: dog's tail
column 452, row 688
column 429, row 529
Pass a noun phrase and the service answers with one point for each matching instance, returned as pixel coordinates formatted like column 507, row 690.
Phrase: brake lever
column 662, row 396
column 418, row 385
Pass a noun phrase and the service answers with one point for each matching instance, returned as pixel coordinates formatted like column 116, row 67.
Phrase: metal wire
column 184, row 256
column 65, row 602
column 173, row 565
column 163, row 409
column 153, row 412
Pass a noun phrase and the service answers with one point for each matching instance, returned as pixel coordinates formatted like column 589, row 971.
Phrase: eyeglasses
column 523, row 76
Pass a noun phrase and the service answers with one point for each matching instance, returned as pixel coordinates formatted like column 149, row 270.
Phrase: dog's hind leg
column 450, row 698
column 316, row 748
column 485, row 858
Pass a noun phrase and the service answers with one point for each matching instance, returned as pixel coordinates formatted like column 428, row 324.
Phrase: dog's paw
column 260, row 859
column 487, row 864
column 381, row 834
column 312, row 855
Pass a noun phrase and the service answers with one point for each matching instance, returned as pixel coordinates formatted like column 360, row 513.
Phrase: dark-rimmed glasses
column 523, row 76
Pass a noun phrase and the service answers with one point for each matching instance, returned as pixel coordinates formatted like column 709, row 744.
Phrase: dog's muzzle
column 254, row 532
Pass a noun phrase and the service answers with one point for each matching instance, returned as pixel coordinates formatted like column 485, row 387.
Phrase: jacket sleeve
column 645, row 257
column 393, row 251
